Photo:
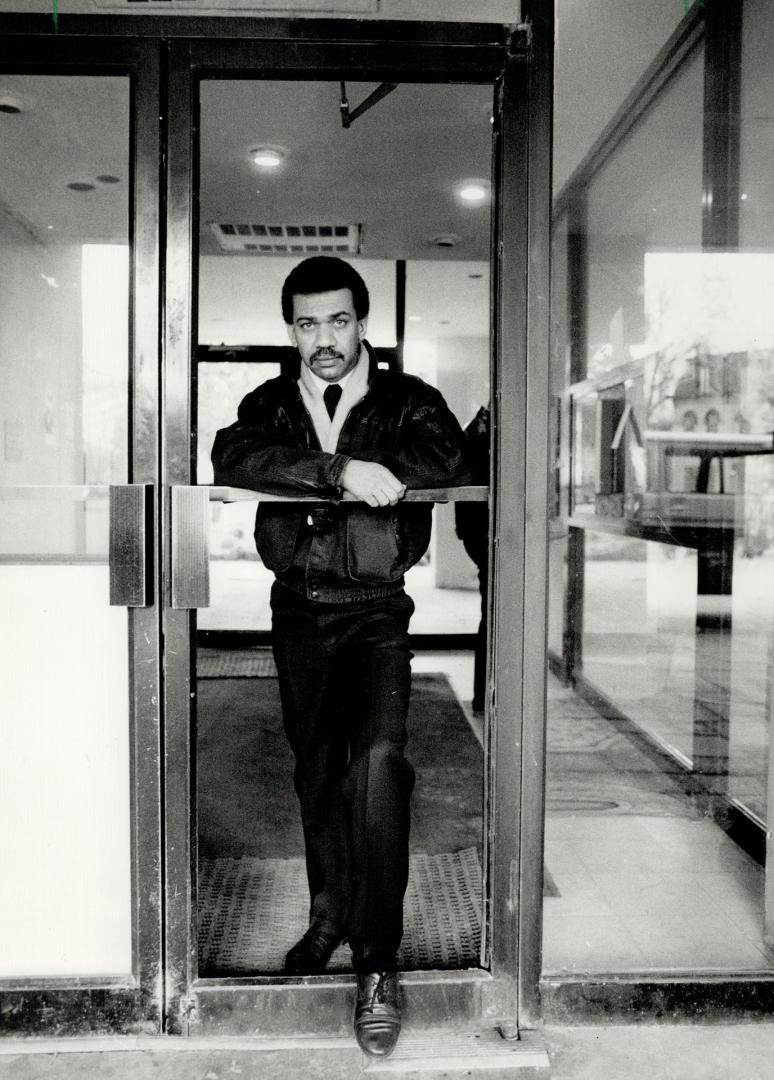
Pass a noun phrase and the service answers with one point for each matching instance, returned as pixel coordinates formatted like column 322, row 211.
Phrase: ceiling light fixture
column 445, row 240
column 268, row 157
column 10, row 104
column 473, row 191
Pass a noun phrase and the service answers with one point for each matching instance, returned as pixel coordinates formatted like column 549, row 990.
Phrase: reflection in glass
column 65, row 887
column 669, row 604
column 635, row 214
column 638, row 632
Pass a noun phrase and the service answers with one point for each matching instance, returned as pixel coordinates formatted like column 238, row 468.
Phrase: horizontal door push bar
column 478, row 493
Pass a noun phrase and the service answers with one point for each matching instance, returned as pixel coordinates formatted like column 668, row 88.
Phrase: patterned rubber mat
column 235, row 664
column 252, row 910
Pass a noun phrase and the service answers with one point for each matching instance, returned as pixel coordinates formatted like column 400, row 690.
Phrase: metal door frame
column 517, row 63
column 133, row 1004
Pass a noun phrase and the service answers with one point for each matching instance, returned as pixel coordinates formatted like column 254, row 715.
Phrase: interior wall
column 461, row 362
column 239, row 299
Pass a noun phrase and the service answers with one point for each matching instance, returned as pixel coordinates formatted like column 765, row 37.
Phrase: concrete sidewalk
column 613, row 1052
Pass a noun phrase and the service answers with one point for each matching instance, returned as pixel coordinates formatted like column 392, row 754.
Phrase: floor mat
column 235, row 664
column 252, row 910
column 246, row 801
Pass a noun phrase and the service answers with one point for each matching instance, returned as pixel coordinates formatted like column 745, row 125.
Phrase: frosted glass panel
column 65, row 805
column 64, row 774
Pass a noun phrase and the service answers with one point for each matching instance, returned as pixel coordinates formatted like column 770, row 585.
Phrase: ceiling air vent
column 288, row 239
column 207, row 7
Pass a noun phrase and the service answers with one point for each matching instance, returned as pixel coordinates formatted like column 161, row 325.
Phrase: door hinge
column 520, row 41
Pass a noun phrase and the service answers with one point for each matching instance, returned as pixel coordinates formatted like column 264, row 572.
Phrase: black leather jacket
column 341, row 552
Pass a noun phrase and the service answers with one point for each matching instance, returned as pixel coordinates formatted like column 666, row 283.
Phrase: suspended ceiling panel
column 395, row 171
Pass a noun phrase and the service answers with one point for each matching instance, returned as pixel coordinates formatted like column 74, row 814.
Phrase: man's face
column 327, row 333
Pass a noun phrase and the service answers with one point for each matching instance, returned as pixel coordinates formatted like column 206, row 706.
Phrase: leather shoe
column 311, row 954
column 377, row 1013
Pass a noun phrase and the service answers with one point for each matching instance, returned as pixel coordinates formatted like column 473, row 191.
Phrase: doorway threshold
column 478, row 1053
column 322, row 1005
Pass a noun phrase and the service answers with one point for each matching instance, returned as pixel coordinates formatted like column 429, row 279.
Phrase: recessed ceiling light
column 10, row 104
column 445, row 240
column 473, row 191
column 268, row 157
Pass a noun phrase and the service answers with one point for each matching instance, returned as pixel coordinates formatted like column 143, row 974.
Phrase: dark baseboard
column 558, row 667
column 641, row 998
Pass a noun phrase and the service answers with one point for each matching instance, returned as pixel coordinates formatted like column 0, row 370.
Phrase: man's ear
column 362, row 326
column 291, row 333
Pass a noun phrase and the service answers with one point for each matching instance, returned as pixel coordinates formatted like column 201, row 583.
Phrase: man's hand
column 371, row 483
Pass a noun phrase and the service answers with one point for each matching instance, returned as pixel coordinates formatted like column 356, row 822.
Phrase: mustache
column 327, row 354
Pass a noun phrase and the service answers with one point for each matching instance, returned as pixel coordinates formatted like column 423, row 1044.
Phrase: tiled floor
column 644, row 881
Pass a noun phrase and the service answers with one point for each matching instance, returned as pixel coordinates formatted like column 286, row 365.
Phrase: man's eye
column 341, row 322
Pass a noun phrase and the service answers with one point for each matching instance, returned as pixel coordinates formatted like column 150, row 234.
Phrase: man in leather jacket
column 357, row 437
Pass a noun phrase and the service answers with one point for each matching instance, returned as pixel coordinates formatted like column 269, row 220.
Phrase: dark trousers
column 344, row 681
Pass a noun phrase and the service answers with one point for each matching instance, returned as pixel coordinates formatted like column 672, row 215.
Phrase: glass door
column 79, row 723
column 379, row 189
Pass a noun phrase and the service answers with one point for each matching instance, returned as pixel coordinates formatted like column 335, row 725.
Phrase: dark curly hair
column 323, row 273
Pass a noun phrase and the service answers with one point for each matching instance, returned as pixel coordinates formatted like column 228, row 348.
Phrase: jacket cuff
column 337, row 466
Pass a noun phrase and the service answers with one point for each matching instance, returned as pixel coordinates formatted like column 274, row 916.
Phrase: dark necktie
column 331, row 397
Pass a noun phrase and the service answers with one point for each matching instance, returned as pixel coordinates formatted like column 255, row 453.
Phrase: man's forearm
column 238, row 462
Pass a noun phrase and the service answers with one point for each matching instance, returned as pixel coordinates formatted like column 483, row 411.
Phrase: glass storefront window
column 750, row 683
column 669, row 617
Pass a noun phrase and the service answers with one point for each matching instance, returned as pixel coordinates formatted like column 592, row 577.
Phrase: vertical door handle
column 190, row 547
column 131, row 514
